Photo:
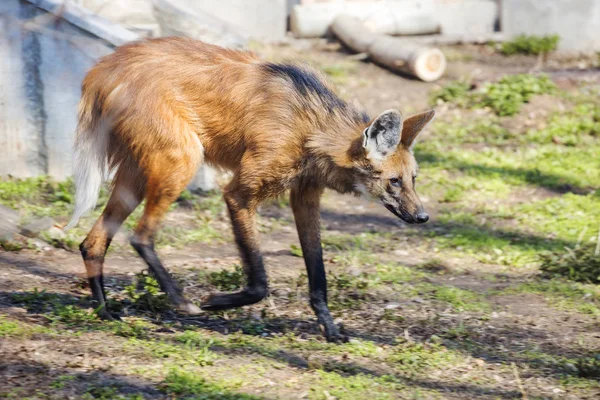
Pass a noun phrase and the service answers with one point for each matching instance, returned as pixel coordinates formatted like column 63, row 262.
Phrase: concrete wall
column 263, row 20
column 577, row 22
column 43, row 63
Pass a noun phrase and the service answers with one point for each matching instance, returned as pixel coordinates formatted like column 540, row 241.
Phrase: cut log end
column 429, row 64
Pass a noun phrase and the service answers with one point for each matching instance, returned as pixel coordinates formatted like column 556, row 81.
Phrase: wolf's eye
column 395, row 182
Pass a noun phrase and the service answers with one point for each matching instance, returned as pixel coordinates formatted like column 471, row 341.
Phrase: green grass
column 339, row 385
column 226, row 280
column 9, row 328
column 145, row 294
column 339, row 72
column 184, row 352
column 179, row 382
column 418, row 358
column 530, row 45
column 563, row 294
column 581, row 264
column 37, row 197
column 504, row 97
column 578, row 126
column 459, row 299
column 456, row 92
column 565, row 217
column 549, row 166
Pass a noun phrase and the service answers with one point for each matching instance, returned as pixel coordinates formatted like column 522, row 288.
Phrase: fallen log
column 423, row 62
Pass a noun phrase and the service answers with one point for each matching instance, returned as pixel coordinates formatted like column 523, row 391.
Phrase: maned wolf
column 154, row 110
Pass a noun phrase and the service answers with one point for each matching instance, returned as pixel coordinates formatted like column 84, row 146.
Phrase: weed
column 460, row 332
column 178, row 236
column 182, row 383
column 59, row 382
column 133, row 329
column 348, row 291
column 227, row 280
column 102, row 392
column 530, row 44
column 390, row 273
column 72, row 315
column 452, row 195
column 37, row 196
column 434, row 265
column 460, row 299
column 507, row 95
column 577, row 126
column 295, row 250
column 36, row 300
column 211, row 203
column 456, row 92
column 415, row 358
column 190, row 352
column 338, row 73
column 9, row 245
column 589, row 367
column 564, row 294
column 504, row 97
column 146, row 295
column 8, row 328
column 580, row 264
column 193, row 339
column 565, row 217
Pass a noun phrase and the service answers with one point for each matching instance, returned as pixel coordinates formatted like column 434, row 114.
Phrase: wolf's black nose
column 422, row 217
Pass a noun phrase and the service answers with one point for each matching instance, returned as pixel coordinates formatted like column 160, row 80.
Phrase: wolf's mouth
column 404, row 216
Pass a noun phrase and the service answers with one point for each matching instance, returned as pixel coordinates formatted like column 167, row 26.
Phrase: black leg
column 242, row 215
column 164, row 279
column 305, row 204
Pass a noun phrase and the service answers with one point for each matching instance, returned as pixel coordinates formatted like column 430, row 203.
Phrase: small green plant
column 37, row 300
column 507, row 95
column 530, row 44
column 133, row 329
column 415, row 358
column 72, row 315
column 456, row 92
column 348, row 291
column 102, row 392
column 572, row 128
column 589, row 367
column 59, row 382
column 145, row 294
column 504, row 97
column 295, row 250
column 452, row 195
column 581, row 264
column 182, row 383
column 9, row 245
column 227, row 280
column 8, row 328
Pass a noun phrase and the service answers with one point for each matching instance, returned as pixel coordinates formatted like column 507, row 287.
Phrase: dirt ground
column 436, row 311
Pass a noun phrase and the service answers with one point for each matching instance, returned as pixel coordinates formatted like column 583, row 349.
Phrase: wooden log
column 400, row 17
column 423, row 62
column 350, row 31
column 426, row 63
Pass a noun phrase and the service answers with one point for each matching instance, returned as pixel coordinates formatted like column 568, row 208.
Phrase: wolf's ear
column 383, row 135
column 414, row 125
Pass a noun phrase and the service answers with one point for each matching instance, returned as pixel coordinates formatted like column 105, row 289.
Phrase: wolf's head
column 387, row 168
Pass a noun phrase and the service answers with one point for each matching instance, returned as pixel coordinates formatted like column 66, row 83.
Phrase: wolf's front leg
column 242, row 211
column 305, row 201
